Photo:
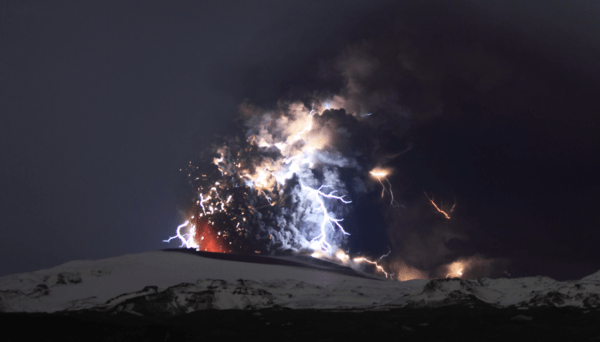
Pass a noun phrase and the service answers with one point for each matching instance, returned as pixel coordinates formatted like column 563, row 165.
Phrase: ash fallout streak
column 285, row 184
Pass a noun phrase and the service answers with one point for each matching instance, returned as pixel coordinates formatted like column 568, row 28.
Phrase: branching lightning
column 278, row 186
column 379, row 174
column 201, row 203
column 327, row 218
column 345, row 258
column 187, row 240
column 446, row 215
column 376, row 264
column 244, row 174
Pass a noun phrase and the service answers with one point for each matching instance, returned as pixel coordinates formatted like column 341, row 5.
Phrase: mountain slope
column 177, row 282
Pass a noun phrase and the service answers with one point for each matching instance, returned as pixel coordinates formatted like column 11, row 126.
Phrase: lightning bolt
column 385, row 255
column 379, row 174
column 201, row 203
column 379, row 267
column 267, row 197
column 187, row 240
column 327, row 219
column 264, row 176
column 438, row 208
column 345, row 258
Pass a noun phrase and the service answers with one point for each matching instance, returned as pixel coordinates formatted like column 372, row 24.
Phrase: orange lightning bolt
column 382, row 173
column 375, row 264
column 438, row 208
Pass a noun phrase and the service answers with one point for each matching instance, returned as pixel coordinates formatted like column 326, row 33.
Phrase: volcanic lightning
column 374, row 263
column 276, row 164
column 380, row 173
column 327, row 219
column 281, row 185
column 187, row 239
column 446, row 215
column 345, row 259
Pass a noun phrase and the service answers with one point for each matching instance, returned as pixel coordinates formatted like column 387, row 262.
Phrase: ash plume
column 269, row 189
column 266, row 188
column 389, row 87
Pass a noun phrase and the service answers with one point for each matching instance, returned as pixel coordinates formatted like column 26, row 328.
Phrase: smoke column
column 284, row 183
column 289, row 177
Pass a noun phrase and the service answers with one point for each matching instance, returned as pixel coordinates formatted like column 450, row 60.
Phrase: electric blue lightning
column 187, row 240
column 327, row 219
column 282, row 149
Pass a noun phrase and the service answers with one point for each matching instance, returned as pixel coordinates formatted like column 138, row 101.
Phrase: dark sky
column 102, row 103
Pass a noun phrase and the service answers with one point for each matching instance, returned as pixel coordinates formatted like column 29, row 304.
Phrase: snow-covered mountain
column 173, row 282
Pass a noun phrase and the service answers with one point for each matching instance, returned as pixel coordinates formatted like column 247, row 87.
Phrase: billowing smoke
column 433, row 80
column 289, row 177
column 286, row 182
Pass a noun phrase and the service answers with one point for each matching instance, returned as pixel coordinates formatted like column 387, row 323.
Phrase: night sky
column 103, row 103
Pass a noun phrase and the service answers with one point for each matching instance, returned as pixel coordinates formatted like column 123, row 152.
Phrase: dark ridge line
column 303, row 261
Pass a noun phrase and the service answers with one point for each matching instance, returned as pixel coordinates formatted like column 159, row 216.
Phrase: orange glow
column 455, row 269
column 440, row 210
column 381, row 173
column 208, row 238
column 404, row 272
column 342, row 256
column 410, row 274
column 378, row 172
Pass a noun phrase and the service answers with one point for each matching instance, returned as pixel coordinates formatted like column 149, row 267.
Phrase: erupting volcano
column 285, row 183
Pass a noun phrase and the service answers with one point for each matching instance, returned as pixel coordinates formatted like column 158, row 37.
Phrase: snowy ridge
column 594, row 277
column 520, row 292
column 165, row 283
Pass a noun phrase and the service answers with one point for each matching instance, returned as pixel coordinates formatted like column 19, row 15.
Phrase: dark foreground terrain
column 481, row 323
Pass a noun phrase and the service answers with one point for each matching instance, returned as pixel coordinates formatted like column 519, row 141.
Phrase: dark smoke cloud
column 391, row 86
column 280, row 216
column 469, row 75
column 395, row 95
column 399, row 85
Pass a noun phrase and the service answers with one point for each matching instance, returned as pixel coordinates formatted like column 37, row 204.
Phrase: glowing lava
column 208, row 238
